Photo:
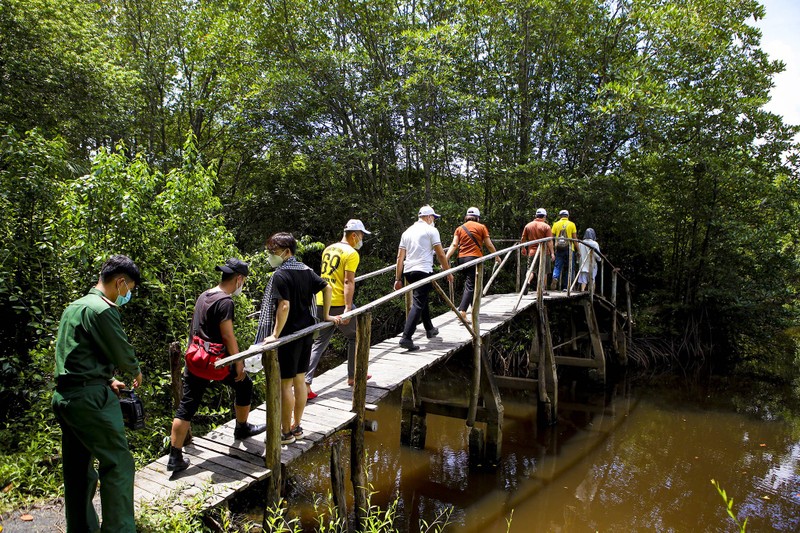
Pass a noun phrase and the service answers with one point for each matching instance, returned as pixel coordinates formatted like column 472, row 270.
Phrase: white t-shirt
column 418, row 242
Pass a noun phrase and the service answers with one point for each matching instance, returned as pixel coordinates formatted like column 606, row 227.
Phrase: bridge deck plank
column 222, row 465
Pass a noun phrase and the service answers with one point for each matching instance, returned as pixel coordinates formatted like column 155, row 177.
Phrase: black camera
column 132, row 409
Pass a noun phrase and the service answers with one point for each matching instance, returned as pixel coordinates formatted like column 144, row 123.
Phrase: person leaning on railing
column 285, row 309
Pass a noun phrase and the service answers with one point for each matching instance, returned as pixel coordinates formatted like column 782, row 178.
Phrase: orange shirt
column 466, row 246
column 536, row 229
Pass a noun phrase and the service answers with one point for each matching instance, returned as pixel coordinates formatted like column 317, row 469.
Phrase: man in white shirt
column 415, row 254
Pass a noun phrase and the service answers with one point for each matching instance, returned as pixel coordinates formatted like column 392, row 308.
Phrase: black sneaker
column 287, row 438
column 432, row 332
column 408, row 344
column 247, row 429
column 177, row 463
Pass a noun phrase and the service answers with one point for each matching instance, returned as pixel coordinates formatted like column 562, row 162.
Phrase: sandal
column 287, row 438
column 350, row 382
column 297, row 432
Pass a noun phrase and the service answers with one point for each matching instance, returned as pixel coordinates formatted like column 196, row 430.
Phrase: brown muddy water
column 638, row 456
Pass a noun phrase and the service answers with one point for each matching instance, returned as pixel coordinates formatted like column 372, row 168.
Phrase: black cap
column 234, row 265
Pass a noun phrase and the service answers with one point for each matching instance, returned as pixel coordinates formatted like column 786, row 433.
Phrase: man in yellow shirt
column 339, row 264
column 562, row 230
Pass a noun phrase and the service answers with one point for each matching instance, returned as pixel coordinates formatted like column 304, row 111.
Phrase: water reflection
column 622, row 460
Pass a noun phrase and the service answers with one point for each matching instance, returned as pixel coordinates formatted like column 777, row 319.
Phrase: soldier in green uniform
column 90, row 346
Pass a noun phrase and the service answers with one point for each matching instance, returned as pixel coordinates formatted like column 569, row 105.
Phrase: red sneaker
column 311, row 394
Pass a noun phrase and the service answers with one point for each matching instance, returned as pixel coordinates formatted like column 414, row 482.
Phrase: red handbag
column 201, row 356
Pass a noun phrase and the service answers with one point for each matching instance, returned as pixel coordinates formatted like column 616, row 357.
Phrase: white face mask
column 275, row 260
column 238, row 290
column 358, row 245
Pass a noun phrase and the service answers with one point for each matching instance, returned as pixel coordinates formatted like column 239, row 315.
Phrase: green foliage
column 61, row 74
column 729, row 506
column 66, row 225
column 159, row 516
column 33, row 471
column 644, row 119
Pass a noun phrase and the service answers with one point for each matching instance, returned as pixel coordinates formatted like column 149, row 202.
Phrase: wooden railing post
column 272, row 437
column 176, row 355
column 519, row 267
column 358, row 470
column 527, row 274
column 541, row 279
column 495, row 272
column 476, row 345
column 450, row 304
column 602, row 280
column 614, row 339
column 590, row 276
column 630, row 316
column 569, row 269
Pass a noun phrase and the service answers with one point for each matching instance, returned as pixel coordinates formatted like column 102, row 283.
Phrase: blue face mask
column 122, row 300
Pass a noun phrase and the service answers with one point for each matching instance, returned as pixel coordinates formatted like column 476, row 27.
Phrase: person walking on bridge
column 90, row 345
column 590, row 257
column 418, row 244
column 468, row 241
column 537, row 229
column 563, row 230
column 338, row 268
column 212, row 327
column 288, row 307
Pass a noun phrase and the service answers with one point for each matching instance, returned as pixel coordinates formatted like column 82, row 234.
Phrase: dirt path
column 47, row 517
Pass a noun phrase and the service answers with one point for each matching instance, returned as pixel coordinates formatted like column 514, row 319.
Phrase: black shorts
column 194, row 387
column 293, row 358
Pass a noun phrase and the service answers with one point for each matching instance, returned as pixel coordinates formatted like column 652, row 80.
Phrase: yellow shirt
column 572, row 231
column 337, row 259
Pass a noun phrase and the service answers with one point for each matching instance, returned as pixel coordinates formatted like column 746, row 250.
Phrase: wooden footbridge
column 589, row 325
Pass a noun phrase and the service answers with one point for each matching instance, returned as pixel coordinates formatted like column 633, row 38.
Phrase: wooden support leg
column 407, row 407
column 594, row 335
column 477, row 449
column 620, row 344
column 419, row 430
column 493, row 405
column 548, row 378
column 413, row 423
column 337, row 481
column 534, row 352
column 573, row 331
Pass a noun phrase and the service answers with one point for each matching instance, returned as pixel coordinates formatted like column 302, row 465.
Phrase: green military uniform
column 90, row 344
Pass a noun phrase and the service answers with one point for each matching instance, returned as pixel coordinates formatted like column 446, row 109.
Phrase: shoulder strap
column 471, row 236
column 196, row 317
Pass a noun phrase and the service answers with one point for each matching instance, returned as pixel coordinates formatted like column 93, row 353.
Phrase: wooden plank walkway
column 222, row 466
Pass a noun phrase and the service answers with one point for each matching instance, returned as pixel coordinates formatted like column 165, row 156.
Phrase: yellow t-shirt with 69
column 337, row 259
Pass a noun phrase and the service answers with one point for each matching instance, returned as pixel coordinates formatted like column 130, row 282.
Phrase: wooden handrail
column 261, row 348
column 258, row 349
